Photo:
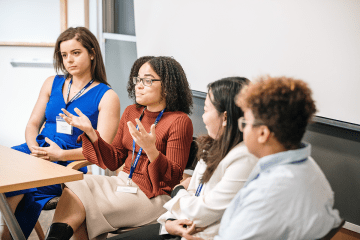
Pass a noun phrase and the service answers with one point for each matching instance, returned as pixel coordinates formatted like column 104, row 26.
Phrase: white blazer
column 207, row 209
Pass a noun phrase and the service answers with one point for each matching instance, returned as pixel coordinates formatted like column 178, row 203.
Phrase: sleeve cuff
column 162, row 219
column 176, row 190
column 160, row 164
column 89, row 151
column 162, row 230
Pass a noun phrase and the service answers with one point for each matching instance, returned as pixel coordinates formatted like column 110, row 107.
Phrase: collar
column 150, row 114
column 281, row 158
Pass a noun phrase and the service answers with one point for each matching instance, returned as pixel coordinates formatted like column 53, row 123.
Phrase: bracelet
column 170, row 219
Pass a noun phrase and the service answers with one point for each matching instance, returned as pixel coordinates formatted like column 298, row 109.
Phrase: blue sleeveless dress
column 29, row 209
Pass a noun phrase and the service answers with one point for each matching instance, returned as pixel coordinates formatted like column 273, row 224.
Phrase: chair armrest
column 77, row 164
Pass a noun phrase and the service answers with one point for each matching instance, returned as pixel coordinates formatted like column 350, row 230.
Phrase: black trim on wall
column 336, row 123
column 199, row 94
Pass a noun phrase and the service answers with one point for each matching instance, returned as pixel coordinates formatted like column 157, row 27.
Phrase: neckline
column 285, row 157
column 151, row 114
column 62, row 87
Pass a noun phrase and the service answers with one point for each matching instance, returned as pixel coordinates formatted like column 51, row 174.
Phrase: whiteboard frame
column 316, row 119
column 63, row 27
column 336, row 123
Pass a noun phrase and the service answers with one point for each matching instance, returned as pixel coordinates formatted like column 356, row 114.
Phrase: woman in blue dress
column 84, row 86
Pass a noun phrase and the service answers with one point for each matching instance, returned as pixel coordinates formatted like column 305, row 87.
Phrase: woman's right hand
column 82, row 122
column 184, row 228
column 35, row 152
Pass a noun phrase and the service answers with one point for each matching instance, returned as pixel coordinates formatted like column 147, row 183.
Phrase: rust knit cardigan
column 173, row 139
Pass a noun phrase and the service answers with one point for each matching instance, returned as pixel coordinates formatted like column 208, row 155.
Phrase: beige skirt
column 107, row 210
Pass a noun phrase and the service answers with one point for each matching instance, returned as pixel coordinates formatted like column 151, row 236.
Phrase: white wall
column 76, row 13
column 19, row 89
column 317, row 41
column 20, row 86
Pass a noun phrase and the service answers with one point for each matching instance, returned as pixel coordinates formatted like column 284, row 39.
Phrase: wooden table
column 19, row 171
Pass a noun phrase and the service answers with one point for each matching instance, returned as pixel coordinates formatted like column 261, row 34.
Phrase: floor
column 45, row 222
column 345, row 234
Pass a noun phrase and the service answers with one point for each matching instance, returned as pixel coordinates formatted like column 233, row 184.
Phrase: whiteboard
column 316, row 41
column 32, row 21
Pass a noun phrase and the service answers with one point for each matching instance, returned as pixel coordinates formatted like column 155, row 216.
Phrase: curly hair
column 89, row 41
column 175, row 87
column 284, row 105
column 212, row 151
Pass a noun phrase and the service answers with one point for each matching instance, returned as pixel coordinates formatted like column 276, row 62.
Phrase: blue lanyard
column 78, row 94
column 198, row 190
column 134, row 163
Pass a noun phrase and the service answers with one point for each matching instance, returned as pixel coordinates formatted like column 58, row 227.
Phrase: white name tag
column 62, row 126
column 126, row 189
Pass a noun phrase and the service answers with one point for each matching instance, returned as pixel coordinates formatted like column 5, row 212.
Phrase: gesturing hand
column 52, row 153
column 184, row 228
column 82, row 122
column 144, row 139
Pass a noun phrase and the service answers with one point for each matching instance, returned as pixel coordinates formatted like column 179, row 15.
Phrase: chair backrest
column 192, row 160
column 333, row 231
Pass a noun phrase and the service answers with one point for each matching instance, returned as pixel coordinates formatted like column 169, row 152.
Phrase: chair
column 51, row 205
column 192, row 160
column 333, row 231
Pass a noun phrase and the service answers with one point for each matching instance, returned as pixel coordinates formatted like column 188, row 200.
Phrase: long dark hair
column 212, row 151
column 89, row 41
column 175, row 87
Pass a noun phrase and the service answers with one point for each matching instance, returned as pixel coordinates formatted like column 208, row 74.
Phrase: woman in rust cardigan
column 155, row 153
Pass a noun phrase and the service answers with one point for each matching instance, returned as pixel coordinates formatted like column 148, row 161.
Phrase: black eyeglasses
column 145, row 81
column 242, row 123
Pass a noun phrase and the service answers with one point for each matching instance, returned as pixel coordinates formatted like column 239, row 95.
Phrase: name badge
column 63, row 127
column 126, row 189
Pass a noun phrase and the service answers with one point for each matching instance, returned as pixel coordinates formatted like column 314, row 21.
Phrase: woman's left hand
column 51, row 153
column 144, row 139
column 81, row 121
column 185, row 183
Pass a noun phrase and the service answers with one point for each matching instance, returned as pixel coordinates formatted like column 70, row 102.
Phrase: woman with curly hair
column 154, row 155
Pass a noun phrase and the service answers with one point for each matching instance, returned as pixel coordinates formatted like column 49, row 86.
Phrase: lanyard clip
column 129, row 182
